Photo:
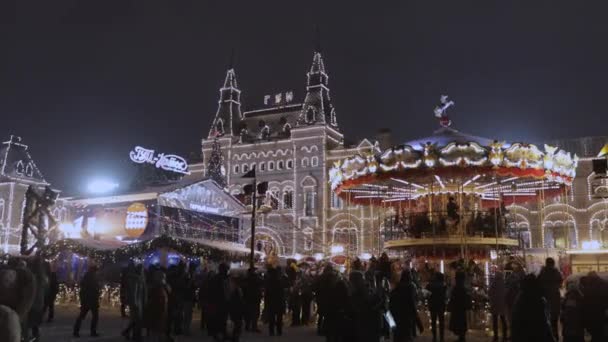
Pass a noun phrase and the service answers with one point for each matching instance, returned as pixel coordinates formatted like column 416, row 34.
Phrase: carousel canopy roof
column 450, row 161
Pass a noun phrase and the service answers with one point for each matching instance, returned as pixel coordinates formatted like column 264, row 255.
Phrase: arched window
column 29, row 170
column 287, row 130
column 310, row 115
column 348, row 238
column 1, row 210
column 236, row 169
column 308, row 244
column 274, row 198
column 219, row 127
column 20, row 167
column 305, row 162
column 288, row 198
column 270, row 165
column 262, row 166
column 280, row 165
column 245, row 168
column 309, row 203
column 290, row 164
column 314, row 161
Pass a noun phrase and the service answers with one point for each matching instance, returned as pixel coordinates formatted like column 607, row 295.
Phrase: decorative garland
column 185, row 247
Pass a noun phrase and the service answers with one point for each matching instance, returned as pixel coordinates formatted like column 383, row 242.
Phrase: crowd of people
column 373, row 301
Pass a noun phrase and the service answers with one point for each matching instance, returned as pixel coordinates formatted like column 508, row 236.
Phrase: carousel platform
column 450, row 240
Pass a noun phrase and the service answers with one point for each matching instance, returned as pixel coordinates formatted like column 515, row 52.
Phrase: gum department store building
column 293, row 146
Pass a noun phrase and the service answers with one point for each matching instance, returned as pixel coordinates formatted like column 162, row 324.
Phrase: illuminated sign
column 136, row 219
column 203, row 208
column 167, row 162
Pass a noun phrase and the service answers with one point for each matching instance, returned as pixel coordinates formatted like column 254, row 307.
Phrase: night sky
column 84, row 81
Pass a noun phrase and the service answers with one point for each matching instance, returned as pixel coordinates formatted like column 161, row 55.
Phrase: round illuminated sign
column 136, row 220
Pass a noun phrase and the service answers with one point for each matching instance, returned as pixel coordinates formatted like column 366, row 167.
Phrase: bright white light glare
column 69, row 230
column 493, row 255
column 100, row 186
column 441, row 266
column 590, row 245
column 297, row 256
column 337, row 249
column 318, row 256
column 365, row 256
column 487, row 271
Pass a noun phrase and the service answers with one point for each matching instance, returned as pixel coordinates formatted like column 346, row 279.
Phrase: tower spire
column 228, row 113
column 317, row 107
column 215, row 167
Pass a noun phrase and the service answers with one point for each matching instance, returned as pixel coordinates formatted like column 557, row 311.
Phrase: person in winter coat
column 595, row 306
column 437, row 302
column 123, row 291
column 573, row 327
column 274, row 299
column 402, row 305
column 366, row 308
column 136, row 296
column 157, row 307
column 550, row 280
column 530, row 321
column 497, row 294
column 89, row 301
column 322, row 288
column 17, row 289
column 307, row 296
column 252, row 293
column 51, row 294
column 203, row 296
column 236, row 307
column 35, row 316
column 339, row 314
column 513, row 281
column 460, row 302
column 217, row 303
column 189, row 298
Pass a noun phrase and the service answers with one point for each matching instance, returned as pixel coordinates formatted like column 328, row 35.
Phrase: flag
column 250, row 174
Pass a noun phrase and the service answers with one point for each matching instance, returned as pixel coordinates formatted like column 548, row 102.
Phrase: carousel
column 445, row 197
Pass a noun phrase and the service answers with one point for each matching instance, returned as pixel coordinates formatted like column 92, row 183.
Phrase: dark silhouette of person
column 402, row 305
column 322, row 288
column 366, row 308
column 595, row 306
column 217, row 300
column 274, row 299
column 550, row 280
column 89, row 301
column 530, row 321
column 437, row 302
column 252, row 292
column 51, row 295
column 460, row 302
column 452, row 210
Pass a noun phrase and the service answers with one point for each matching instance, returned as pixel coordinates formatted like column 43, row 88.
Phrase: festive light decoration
column 215, row 167
column 182, row 246
column 486, row 169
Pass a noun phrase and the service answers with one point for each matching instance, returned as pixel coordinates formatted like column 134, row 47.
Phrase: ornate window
column 1, row 210
column 219, row 127
column 245, row 168
column 290, row 164
column 305, row 162
column 20, row 167
column 280, row 165
column 262, row 166
column 309, row 203
column 236, row 169
column 310, row 115
column 29, row 170
column 274, row 198
column 287, row 130
column 314, row 161
column 270, row 165
column 308, row 243
column 288, row 199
